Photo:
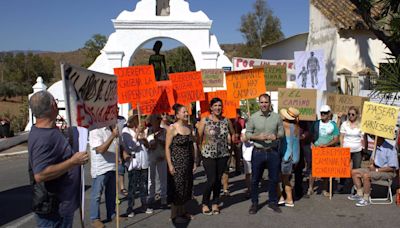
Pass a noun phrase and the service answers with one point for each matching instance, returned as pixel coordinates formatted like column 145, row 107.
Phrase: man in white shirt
column 103, row 143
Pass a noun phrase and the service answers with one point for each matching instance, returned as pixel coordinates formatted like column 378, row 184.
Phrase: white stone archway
column 135, row 28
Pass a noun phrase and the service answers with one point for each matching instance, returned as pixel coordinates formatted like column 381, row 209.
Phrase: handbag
column 43, row 201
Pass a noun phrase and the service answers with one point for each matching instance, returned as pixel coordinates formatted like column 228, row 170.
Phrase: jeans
column 54, row 221
column 259, row 160
column 103, row 182
column 138, row 178
column 214, row 168
column 160, row 168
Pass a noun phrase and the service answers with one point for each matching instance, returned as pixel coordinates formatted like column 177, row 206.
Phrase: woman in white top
column 350, row 137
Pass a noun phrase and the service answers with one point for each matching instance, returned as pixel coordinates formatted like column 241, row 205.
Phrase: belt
column 263, row 149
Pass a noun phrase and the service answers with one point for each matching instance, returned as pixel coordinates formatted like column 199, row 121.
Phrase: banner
column 161, row 103
column 136, row 84
column 245, row 84
column 90, row 97
column 310, row 69
column 240, row 63
column 188, row 87
column 212, row 77
column 229, row 106
column 342, row 103
column 331, row 162
column 379, row 119
column 305, row 100
column 275, row 77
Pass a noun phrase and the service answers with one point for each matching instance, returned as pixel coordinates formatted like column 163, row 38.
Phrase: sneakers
column 97, row 224
column 274, row 207
column 362, row 203
column 149, row 210
column 325, row 193
column 354, row 197
column 131, row 215
column 253, row 209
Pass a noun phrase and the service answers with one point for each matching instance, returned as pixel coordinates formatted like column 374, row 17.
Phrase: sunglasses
column 324, row 113
column 351, row 114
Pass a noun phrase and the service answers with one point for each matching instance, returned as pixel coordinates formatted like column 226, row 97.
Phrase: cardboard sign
column 188, row 87
column 161, row 103
column 212, row 77
column 136, row 84
column 305, row 100
column 245, row 84
column 331, row 162
column 229, row 106
column 342, row 103
column 90, row 97
column 379, row 119
column 275, row 77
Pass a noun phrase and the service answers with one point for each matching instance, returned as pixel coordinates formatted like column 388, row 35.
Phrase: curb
column 13, row 153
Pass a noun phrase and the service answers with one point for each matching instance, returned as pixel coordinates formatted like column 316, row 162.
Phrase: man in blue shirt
column 54, row 164
column 384, row 162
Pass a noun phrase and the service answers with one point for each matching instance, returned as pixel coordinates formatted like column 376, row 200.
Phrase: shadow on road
column 15, row 203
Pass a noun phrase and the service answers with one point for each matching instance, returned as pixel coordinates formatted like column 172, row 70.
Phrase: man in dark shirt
column 53, row 162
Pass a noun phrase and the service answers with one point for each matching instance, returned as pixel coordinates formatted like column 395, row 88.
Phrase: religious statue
column 162, row 8
column 158, row 62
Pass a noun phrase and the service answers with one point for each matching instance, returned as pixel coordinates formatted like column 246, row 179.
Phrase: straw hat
column 290, row 113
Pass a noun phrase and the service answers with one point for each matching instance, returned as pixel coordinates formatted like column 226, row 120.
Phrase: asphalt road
column 318, row 211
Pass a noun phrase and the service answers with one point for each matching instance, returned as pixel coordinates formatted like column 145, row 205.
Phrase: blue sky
column 56, row 25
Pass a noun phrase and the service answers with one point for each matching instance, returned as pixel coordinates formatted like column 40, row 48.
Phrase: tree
column 386, row 24
column 180, row 60
column 260, row 28
column 93, row 47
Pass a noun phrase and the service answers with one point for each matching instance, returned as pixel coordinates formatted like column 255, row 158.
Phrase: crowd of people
column 160, row 155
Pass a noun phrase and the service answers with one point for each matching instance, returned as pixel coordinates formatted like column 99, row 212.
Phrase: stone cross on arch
column 162, row 8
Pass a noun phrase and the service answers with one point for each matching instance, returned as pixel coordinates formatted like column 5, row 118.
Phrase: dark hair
column 133, row 121
column 215, row 100
column 177, row 107
column 265, row 96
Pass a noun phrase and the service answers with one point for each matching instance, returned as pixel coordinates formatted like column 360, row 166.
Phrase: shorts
column 377, row 175
column 247, row 167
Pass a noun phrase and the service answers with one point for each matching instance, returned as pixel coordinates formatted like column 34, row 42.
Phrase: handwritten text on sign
column 161, row 103
column 245, row 84
column 91, row 97
column 136, row 84
column 302, row 99
column 380, row 120
column 188, row 87
column 275, row 77
column 342, row 103
column 213, row 77
column 331, row 162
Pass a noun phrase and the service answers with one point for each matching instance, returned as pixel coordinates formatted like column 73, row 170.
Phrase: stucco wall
column 284, row 49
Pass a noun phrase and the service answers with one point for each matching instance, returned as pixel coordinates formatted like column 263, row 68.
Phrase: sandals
column 124, row 192
column 206, row 211
column 215, row 210
column 226, row 193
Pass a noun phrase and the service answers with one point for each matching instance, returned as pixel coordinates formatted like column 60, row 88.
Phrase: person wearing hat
column 290, row 149
column 325, row 134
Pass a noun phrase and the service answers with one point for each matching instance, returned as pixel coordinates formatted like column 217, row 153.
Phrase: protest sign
column 331, row 162
column 212, row 77
column 310, row 69
column 305, row 100
column 136, row 84
column 240, row 63
column 379, row 119
column 275, row 77
column 245, row 84
column 187, row 86
column 162, row 101
column 229, row 106
column 342, row 103
column 90, row 97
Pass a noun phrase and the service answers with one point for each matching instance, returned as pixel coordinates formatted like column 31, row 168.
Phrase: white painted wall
column 284, row 49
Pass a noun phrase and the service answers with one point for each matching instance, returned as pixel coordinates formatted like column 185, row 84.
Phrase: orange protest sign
column 188, row 87
column 161, row 103
column 245, row 84
column 135, row 84
column 229, row 106
column 331, row 162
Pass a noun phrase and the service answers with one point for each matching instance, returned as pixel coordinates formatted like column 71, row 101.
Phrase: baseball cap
column 325, row 108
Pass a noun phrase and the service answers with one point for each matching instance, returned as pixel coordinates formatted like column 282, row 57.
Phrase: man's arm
column 104, row 147
column 52, row 172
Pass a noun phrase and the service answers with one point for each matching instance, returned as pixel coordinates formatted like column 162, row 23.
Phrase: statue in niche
column 162, row 8
column 158, row 62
